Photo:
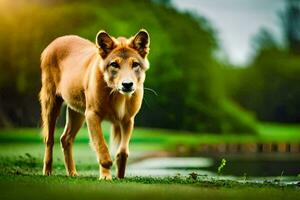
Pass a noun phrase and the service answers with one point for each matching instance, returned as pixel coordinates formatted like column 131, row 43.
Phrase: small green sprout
column 221, row 166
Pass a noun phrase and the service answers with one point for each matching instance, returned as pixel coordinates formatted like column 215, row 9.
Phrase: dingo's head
column 124, row 61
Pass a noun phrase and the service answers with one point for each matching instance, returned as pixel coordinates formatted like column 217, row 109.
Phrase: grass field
column 21, row 153
column 59, row 187
column 155, row 139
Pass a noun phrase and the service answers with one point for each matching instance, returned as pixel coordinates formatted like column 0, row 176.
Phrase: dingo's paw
column 105, row 174
column 73, row 173
column 47, row 172
column 105, row 177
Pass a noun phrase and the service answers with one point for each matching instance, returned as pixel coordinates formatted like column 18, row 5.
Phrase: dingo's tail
column 50, row 107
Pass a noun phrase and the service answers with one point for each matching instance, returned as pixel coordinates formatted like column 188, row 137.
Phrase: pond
column 255, row 166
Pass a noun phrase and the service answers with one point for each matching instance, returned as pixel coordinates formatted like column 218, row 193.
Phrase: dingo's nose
column 127, row 86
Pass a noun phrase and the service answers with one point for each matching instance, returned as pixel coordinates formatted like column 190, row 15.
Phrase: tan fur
column 82, row 75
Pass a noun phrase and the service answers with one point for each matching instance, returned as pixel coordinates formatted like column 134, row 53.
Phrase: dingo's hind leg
column 74, row 121
column 50, row 105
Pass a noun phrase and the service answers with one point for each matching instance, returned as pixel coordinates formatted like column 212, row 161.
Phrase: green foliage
column 183, row 69
column 236, row 119
column 270, row 87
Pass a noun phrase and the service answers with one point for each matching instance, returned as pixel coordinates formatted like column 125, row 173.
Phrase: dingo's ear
column 140, row 42
column 105, row 43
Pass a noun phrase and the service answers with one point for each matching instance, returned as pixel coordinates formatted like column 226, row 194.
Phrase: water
column 170, row 166
column 235, row 166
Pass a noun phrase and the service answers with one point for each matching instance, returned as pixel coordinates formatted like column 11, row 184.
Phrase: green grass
column 21, row 154
column 160, row 139
column 38, row 187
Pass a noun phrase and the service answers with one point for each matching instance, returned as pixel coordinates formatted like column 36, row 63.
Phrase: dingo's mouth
column 126, row 92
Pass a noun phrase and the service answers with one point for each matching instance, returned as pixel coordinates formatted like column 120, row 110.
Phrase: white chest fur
column 120, row 108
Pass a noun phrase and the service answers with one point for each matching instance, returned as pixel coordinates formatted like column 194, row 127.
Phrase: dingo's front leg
column 123, row 151
column 94, row 125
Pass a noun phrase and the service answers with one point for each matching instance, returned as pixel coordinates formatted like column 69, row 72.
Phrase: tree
column 291, row 26
column 270, row 85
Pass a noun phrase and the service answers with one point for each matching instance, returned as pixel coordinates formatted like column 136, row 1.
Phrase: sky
column 237, row 22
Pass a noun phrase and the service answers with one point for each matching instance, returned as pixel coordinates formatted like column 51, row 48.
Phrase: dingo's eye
column 114, row 65
column 114, row 72
column 135, row 65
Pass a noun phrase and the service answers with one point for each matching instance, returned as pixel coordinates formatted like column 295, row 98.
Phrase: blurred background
column 227, row 68
column 216, row 66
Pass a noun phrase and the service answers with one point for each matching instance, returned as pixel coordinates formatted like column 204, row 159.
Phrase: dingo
column 102, row 81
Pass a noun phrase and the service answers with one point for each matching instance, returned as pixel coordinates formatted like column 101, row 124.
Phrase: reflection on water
column 262, row 167
column 173, row 162
column 164, row 172
column 171, row 166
